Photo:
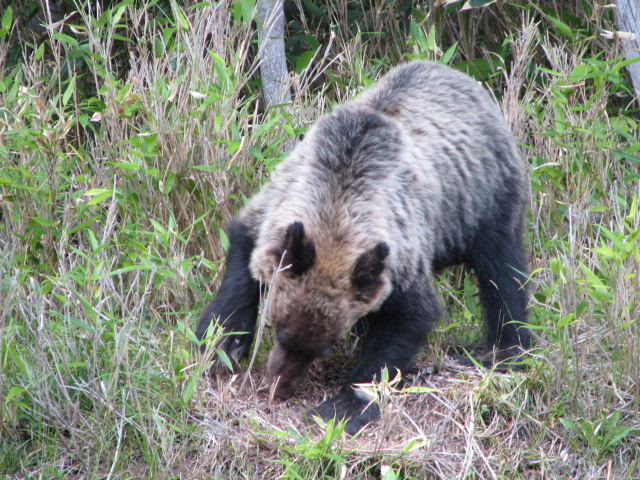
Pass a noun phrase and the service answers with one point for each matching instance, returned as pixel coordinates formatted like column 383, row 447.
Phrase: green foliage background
column 130, row 131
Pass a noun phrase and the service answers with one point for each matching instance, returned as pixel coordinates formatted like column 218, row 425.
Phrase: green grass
column 130, row 133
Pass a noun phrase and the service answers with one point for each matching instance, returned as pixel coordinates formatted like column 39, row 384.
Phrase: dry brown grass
column 472, row 423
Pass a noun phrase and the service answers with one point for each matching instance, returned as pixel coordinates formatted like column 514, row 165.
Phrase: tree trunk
column 628, row 20
column 273, row 64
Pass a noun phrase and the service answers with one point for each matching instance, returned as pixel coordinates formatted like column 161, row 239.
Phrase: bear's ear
column 299, row 251
column 366, row 272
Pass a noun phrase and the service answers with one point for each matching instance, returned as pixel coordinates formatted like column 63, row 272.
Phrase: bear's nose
column 286, row 370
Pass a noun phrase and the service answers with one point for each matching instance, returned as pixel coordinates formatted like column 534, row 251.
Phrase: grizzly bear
column 418, row 173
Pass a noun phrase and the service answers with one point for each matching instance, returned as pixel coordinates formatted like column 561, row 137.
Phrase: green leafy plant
column 602, row 435
column 309, row 458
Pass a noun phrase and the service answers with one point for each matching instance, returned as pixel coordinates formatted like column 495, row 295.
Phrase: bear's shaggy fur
column 418, row 173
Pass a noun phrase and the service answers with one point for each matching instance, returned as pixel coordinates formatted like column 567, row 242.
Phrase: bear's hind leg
column 500, row 267
column 236, row 304
column 394, row 335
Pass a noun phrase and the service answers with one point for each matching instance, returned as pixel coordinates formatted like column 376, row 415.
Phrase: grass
column 130, row 132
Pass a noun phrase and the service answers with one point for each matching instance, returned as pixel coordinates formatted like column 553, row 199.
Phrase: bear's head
column 317, row 296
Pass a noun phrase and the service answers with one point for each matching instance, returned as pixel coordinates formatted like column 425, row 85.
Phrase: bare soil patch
column 468, row 421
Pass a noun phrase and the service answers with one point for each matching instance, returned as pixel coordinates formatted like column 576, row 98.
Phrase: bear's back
column 420, row 161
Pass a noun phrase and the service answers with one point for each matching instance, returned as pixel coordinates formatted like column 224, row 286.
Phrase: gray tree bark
column 628, row 20
column 273, row 64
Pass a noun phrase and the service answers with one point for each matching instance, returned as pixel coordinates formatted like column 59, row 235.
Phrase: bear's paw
column 357, row 412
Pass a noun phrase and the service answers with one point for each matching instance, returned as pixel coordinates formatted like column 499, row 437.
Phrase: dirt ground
column 468, row 421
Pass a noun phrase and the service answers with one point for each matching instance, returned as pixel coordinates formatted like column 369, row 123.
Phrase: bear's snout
column 287, row 370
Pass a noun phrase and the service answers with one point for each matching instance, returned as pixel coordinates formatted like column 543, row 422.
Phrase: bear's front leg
column 393, row 336
column 236, row 304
